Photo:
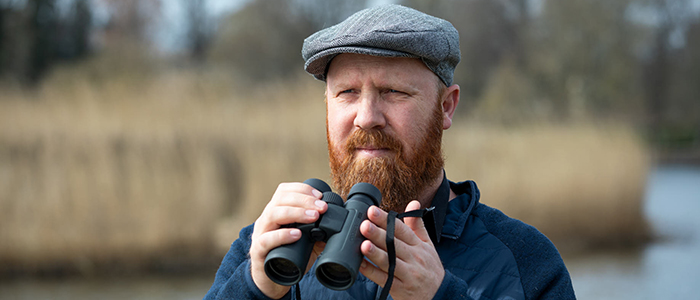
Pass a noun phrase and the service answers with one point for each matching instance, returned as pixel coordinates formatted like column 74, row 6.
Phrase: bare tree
column 199, row 28
column 490, row 31
column 131, row 19
column 263, row 40
column 34, row 35
column 672, row 15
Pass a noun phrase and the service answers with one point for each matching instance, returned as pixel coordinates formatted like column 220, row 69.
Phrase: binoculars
column 339, row 227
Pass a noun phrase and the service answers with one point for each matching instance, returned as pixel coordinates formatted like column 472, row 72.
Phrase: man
column 389, row 95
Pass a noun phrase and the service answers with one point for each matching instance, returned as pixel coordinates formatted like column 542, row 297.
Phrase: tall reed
column 111, row 166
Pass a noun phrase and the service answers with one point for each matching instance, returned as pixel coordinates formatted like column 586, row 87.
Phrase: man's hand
column 418, row 272
column 291, row 203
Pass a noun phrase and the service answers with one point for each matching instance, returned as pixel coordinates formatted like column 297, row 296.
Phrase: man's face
column 384, row 126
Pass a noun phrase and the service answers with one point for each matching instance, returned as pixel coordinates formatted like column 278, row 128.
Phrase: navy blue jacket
column 486, row 255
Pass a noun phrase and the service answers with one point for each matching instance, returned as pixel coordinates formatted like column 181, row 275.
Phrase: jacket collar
column 467, row 197
column 459, row 209
column 435, row 218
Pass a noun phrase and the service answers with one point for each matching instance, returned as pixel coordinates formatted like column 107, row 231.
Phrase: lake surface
column 668, row 268
column 149, row 288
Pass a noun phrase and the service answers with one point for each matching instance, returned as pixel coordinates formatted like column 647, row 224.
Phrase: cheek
column 338, row 124
column 411, row 127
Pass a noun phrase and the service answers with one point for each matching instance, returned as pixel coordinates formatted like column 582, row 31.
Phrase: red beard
column 400, row 178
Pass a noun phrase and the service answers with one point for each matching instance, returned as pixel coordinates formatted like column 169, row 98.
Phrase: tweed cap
column 388, row 30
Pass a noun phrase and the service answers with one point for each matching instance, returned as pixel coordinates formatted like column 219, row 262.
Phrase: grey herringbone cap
column 387, row 30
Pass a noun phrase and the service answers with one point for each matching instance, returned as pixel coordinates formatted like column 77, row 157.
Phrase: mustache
column 374, row 138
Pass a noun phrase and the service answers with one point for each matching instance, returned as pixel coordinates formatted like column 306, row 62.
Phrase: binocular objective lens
column 283, row 270
column 335, row 275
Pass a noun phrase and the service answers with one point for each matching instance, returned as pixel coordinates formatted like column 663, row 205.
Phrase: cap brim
column 317, row 65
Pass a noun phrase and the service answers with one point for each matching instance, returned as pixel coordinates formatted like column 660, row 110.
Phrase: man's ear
column 450, row 99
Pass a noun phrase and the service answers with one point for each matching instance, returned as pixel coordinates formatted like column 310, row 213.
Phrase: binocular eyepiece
column 339, row 227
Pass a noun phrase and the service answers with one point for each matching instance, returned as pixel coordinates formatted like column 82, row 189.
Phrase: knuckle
column 419, row 276
column 420, row 260
column 279, row 214
column 283, row 186
column 261, row 243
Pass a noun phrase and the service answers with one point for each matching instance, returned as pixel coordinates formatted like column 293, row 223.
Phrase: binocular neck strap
column 391, row 249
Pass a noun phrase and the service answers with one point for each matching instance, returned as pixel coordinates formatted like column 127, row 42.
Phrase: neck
column 426, row 197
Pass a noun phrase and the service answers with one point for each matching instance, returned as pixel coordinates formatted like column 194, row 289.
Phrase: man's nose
column 369, row 112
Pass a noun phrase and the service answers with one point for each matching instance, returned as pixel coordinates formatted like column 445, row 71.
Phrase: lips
column 370, row 148
column 369, row 152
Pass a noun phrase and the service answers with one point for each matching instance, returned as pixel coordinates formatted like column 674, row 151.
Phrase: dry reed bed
column 172, row 166
column 581, row 184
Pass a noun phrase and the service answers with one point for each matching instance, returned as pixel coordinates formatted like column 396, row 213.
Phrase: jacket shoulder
column 541, row 268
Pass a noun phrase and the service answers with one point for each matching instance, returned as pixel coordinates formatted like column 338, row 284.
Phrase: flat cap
column 387, row 30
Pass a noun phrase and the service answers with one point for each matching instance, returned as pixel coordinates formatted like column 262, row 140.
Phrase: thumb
column 416, row 223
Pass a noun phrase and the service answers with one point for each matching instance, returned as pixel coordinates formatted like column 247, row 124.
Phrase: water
column 669, row 268
column 150, row 288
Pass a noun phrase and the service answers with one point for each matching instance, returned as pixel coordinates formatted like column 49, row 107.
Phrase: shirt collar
column 435, row 218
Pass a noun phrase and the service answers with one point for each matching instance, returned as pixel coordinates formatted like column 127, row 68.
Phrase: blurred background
column 138, row 136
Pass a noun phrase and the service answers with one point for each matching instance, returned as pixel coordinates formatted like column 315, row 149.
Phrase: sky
column 169, row 32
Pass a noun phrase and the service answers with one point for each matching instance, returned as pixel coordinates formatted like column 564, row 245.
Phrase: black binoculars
column 339, row 227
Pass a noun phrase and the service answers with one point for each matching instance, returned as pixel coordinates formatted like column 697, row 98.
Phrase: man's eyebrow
column 401, row 86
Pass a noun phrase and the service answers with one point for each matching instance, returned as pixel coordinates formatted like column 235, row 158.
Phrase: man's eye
column 396, row 92
column 347, row 91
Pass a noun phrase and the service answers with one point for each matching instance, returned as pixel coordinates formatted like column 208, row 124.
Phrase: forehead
column 349, row 66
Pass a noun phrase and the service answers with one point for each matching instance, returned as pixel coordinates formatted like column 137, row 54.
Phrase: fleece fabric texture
column 486, row 255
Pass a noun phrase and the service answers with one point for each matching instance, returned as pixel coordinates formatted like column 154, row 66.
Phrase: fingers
column 375, row 248
column 401, row 231
column 272, row 239
column 376, row 274
column 295, row 193
column 291, row 203
column 379, row 256
column 259, row 249
column 406, row 238
column 282, row 215
column 416, row 224
column 418, row 271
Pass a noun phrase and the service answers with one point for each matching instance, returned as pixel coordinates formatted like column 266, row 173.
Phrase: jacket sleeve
column 546, row 276
column 542, row 271
column 233, row 279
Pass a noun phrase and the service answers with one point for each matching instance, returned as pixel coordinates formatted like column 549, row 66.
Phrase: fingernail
column 320, row 203
column 363, row 264
column 311, row 213
column 317, row 193
column 295, row 233
column 374, row 211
